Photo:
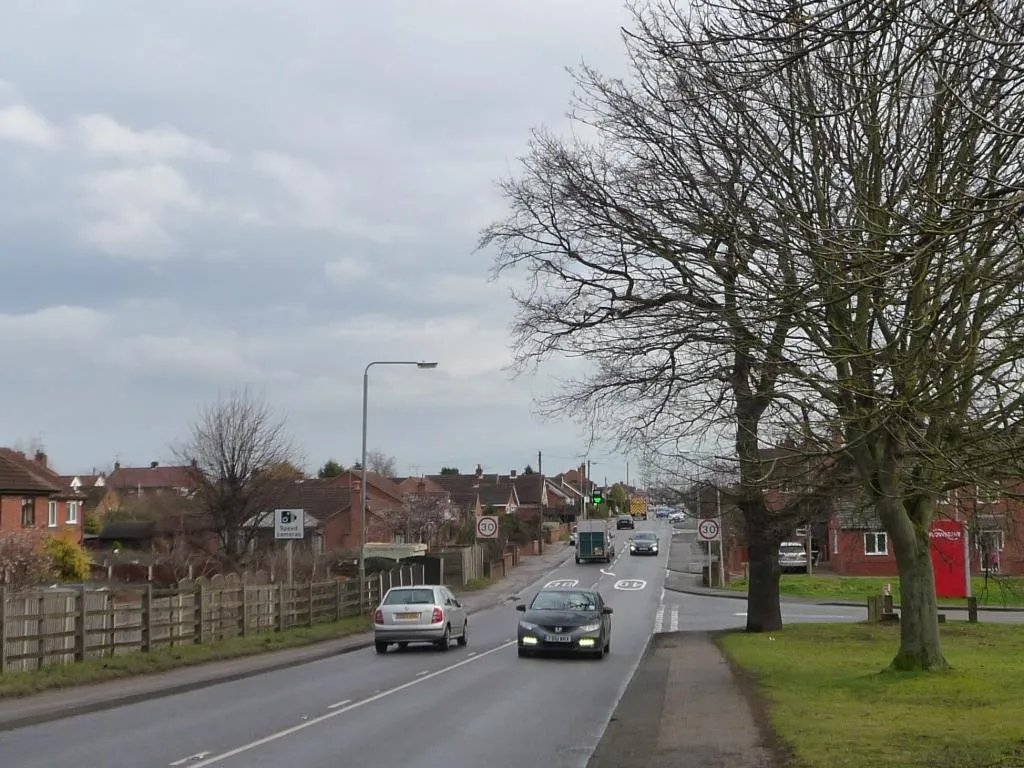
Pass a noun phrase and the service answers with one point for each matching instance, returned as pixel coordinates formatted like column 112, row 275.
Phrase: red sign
column 949, row 553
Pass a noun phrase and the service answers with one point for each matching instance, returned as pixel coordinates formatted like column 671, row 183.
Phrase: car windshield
column 644, row 536
column 564, row 601
column 409, row 597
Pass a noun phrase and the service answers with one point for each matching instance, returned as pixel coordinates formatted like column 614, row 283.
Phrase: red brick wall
column 847, row 557
column 10, row 517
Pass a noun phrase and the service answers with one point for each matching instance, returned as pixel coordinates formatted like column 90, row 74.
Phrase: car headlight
column 590, row 628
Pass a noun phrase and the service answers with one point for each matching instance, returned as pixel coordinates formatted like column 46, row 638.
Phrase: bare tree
column 381, row 463
column 421, row 517
column 235, row 447
column 643, row 255
column 887, row 137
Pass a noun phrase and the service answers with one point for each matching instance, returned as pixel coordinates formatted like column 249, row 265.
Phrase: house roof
column 492, row 490
column 36, row 468
column 14, row 477
column 320, row 498
column 150, row 477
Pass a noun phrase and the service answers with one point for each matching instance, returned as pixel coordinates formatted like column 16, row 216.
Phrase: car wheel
column 381, row 647
column 577, row 561
column 464, row 637
column 445, row 642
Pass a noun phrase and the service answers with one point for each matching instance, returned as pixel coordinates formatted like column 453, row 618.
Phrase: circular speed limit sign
column 487, row 527
column 708, row 529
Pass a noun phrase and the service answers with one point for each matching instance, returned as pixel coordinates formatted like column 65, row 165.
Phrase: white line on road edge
column 196, row 756
column 341, row 711
column 607, row 573
column 335, row 706
column 424, row 672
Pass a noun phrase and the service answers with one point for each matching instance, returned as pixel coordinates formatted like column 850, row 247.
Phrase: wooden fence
column 68, row 624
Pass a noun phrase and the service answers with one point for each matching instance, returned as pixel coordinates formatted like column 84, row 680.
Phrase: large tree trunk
column 920, row 646
column 764, row 612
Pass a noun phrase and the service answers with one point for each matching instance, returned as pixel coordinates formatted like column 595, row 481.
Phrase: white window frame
column 876, row 536
column 73, row 507
column 997, row 535
column 987, row 495
column 51, row 514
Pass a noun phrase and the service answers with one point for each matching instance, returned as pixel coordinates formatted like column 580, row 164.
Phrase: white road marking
column 630, row 585
column 471, row 653
column 607, row 573
column 342, row 710
column 424, row 672
column 196, row 756
column 673, row 625
column 659, row 619
column 340, row 704
column 662, row 598
column 562, row 584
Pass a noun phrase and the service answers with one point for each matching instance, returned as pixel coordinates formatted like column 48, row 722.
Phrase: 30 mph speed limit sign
column 487, row 527
column 708, row 529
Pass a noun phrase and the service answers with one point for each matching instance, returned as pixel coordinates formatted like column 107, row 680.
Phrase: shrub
column 68, row 560
column 25, row 560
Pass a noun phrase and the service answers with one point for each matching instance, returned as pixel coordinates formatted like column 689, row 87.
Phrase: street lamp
column 362, row 467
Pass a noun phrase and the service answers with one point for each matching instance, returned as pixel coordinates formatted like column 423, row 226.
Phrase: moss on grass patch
column 481, row 582
column 165, row 660
column 994, row 592
column 831, row 702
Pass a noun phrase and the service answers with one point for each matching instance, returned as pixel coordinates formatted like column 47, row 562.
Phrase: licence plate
column 558, row 639
column 598, row 551
column 407, row 616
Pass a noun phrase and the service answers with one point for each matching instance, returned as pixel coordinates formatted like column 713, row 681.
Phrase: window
column 73, row 512
column 987, row 494
column 991, row 541
column 28, row 513
column 51, row 517
column 876, row 543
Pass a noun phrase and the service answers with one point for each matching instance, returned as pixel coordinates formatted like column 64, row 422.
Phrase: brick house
column 33, row 495
column 330, row 511
column 859, row 545
column 495, row 491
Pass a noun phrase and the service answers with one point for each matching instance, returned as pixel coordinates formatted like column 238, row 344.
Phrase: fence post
column 311, row 602
column 3, row 628
column 339, row 599
column 972, row 610
column 200, row 619
column 81, row 647
column 280, row 607
column 147, row 619
column 245, row 608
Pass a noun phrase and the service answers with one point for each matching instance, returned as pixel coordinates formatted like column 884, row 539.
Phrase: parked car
column 624, row 521
column 644, row 543
column 792, row 557
column 423, row 614
column 565, row 620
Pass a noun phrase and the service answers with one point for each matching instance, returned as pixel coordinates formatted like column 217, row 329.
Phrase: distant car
column 662, row 512
column 625, row 521
column 644, row 543
column 677, row 517
column 423, row 614
column 565, row 620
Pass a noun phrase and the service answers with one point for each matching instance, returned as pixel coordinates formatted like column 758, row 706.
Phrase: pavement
column 58, row 704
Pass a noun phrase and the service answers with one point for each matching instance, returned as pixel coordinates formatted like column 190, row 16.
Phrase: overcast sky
column 206, row 193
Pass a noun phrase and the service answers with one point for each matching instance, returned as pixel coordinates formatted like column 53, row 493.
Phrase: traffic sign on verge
column 487, row 527
column 289, row 523
column 708, row 529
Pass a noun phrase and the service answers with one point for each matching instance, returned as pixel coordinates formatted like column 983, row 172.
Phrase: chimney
column 479, row 472
column 512, row 474
column 117, row 465
column 194, row 463
column 154, row 464
column 41, row 458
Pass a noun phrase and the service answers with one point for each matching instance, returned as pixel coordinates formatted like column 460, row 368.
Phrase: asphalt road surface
column 474, row 706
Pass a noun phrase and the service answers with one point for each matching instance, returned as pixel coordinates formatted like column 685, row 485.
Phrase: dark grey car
column 565, row 621
column 644, row 543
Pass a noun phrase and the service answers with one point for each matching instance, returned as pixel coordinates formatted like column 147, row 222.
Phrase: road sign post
column 289, row 525
column 709, row 529
column 487, row 527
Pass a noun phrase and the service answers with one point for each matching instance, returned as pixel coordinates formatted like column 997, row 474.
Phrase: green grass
column 1001, row 591
column 832, row 707
column 165, row 660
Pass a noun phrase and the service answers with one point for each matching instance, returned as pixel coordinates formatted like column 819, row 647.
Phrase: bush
column 68, row 560
column 25, row 560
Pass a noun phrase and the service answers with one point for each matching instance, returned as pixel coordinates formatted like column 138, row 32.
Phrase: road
column 473, row 706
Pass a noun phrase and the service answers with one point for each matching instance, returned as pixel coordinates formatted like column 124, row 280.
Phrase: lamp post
column 362, row 469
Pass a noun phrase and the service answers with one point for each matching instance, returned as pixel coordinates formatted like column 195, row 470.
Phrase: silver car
column 423, row 614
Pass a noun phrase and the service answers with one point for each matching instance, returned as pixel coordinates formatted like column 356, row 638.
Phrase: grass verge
column 830, row 704
column 1000, row 591
column 165, row 660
